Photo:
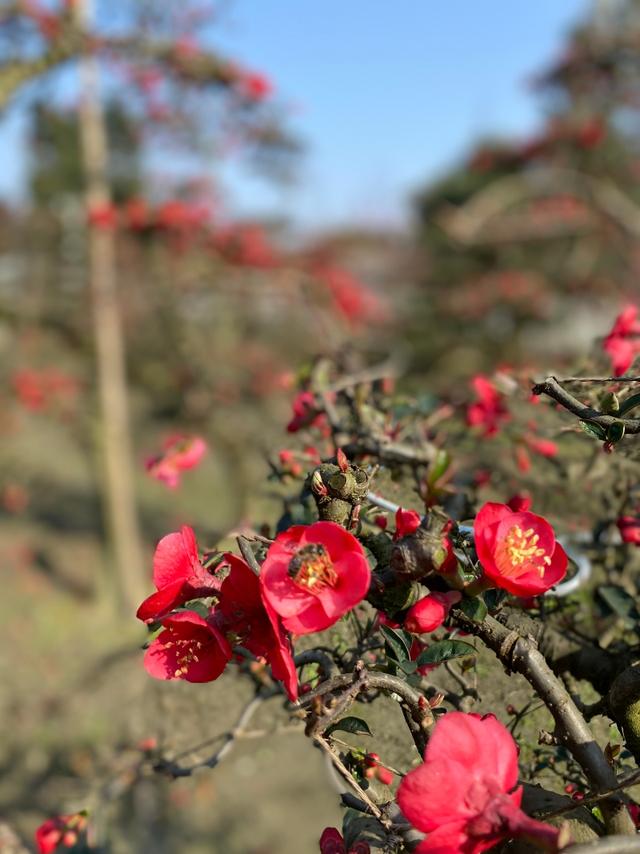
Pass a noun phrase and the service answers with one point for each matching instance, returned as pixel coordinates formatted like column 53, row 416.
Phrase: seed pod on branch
column 338, row 492
column 426, row 551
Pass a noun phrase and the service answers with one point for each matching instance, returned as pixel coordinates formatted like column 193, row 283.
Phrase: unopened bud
column 343, row 462
column 436, row 700
column 317, row 484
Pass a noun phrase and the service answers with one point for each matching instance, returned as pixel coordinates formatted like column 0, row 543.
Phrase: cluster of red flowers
column 39, row 390
column 179, row 453
column 489, row 410
column 61, row 831
column 622, row 344
column 311, row 576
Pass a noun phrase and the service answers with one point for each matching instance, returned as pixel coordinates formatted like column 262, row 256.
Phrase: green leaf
column 396, row 644
column 409, row 667
column 593, row 429
column 438, row 467
column 474, row 608
column 617, row 600
column 444, row 651
column 629, row 403
column 615, row 432
column 494, row 598
column 351, row 724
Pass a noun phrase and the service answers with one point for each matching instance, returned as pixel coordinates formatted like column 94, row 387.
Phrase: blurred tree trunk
column 119, row 492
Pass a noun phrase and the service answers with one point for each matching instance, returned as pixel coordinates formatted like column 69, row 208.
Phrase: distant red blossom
column 313, row 574
column 178, row 576
column 37, row 390
column 357, row 303
column 489, row 410
column 464, row 795
column 622, row 344
column 306, row 413
column 332, row 842
column 629, row 527
column 245, row 245
column 179, row 453
column 518, row 551
column 62, row 831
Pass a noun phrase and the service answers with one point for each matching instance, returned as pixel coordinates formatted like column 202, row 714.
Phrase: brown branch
column 522, row 655
column 552, row 388
column 608, row 845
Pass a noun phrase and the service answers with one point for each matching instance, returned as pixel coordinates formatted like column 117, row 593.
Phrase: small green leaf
column 615, row 432
column 409, row 667
column 351, row 724
column 444, row 651
column 609, row 403
column 494, row 598
column 396, row 644
column 617, row 600
column 593, row 429
column 629, row 403
column 474, row 608
column 438, row 467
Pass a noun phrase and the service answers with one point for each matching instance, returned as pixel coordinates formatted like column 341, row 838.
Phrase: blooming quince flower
column 462, row 796
column 177, row 574
column 518, row 551
column 430, row 612
column 179, row 454
column 62, row 830
column 407, row 522
column 189, row 648
column 245, row 612
column 313, row 574
column 331, row 842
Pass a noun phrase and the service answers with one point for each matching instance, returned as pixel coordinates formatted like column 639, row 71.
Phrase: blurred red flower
column 62, row 830
column 313, row 574
column 430, row 612
column 407, row 522
column 332, row 842
column 629, row 527
column 180, row 453
column 622, row 344
column 489, row 410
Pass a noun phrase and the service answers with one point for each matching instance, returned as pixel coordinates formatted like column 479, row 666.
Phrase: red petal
column 159, row 604
column 175, row 556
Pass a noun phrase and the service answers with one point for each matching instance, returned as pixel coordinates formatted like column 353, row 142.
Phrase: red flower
column 177, row 574
column 103, row 216
column 622, row 344
column 245, row 613
column 488, row 411
column 407, row 522
column 189, row 648
column 331, row 842
column 544, row 447
column 253, row 86
column 61, row 830
column 461, row 796
column 314, row 574
column 305, row 413
column 430, row 612
column 629, row 527
column 180, row 453
column 518, row 551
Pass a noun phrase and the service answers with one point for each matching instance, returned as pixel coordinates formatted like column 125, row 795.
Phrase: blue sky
column 385, row 94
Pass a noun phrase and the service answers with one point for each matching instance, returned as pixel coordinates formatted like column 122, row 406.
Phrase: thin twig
column 552, row 388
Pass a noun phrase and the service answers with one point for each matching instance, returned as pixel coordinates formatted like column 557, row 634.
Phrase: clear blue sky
column 385, row 94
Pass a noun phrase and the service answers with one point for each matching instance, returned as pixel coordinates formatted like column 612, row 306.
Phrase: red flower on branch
column 314, row 574
column 60, row 831
column 305, row 413
column 332, row 842
column 189, row 648
column 178, row 576
column 463, row 795
column 430, row 612
column 407, row 522
column 489, row 410
column 180, row 453
column 245, row 614
column 518, row 550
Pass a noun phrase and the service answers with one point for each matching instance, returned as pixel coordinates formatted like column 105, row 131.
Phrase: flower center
column 519, row 552
column 187, row 653
column 312, row 569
